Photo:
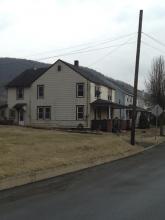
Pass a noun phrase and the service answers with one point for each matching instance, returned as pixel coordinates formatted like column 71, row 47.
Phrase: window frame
column 109, row 94
column 17, row 93
column 38, row 87
column 45, row 118
column 59, row 68
column 77, row 118
column 97, row 88
column 77, row 90
column 44, row 113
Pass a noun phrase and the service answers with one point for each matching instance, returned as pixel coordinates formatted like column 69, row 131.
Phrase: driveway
column 128, row 189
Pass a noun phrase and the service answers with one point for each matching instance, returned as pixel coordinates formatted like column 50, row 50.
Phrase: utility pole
column 136, row 78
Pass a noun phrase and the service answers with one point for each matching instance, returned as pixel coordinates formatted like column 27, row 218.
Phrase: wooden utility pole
column 136, row 78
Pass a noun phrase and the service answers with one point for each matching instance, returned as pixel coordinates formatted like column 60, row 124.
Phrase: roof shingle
column 26, row 78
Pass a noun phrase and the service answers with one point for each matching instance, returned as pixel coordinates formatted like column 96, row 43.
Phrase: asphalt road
column 129, row 189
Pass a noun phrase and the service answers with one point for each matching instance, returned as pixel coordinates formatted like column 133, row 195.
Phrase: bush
column 143, row 121
column 80, row 126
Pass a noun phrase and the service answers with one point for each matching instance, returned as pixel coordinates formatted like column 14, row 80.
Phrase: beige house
column 63, row 95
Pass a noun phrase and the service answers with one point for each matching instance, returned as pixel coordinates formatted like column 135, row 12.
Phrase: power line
column 85, row 44
column 155, row 48
column 80, row 51
column 110, row 52
column 154, row 39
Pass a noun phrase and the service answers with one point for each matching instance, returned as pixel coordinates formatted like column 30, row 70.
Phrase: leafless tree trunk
column 156, row 86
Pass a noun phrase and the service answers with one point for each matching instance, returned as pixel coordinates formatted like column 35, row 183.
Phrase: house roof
column 91, row 75
column 26, row 78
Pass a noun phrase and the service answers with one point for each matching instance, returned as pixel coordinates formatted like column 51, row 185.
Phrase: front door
column 21, row 117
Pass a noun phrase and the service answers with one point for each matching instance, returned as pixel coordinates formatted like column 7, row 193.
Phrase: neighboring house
column 124, row 95
column 65, row 96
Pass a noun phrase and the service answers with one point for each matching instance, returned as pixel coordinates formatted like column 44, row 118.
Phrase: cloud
column 29, row 27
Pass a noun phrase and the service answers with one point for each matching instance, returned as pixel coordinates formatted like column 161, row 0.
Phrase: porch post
column 109, row 112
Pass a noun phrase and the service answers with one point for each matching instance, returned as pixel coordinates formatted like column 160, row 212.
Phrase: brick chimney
column 76, row 63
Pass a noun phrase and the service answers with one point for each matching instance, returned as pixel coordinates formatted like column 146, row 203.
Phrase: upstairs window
column 110, row 94
column 59, row 68
column 80, row 112
column 97, row 91
column 80, row 90
column 40, row 91
column 20, row 93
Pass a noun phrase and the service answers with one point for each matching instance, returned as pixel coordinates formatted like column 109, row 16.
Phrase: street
column 128, row 189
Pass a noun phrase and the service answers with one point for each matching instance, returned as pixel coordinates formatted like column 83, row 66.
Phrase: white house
column 58, row 96
column 64, row 96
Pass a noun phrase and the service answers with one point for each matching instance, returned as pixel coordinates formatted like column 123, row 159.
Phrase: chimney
column 76, row 63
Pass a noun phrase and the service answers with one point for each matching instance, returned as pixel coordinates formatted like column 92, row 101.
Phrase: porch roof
column 19, row 105
column 139, row 109
column 106, row 103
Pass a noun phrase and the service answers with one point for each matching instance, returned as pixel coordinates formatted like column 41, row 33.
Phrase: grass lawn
column 23, row 150
column 145, row 137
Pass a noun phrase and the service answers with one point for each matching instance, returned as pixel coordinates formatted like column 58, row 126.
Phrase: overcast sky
column 37, row 29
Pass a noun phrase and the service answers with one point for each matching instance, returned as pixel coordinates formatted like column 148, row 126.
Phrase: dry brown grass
column 23, row 150
column 145, row 137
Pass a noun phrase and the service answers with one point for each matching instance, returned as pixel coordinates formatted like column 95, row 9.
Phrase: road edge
column 38, row 176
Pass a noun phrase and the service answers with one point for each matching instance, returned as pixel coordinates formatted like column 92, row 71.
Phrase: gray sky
column 36, row 29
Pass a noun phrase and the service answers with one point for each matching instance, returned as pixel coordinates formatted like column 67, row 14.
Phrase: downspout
column 87, row 104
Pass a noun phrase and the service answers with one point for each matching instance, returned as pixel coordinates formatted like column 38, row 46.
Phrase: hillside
column 11, row 67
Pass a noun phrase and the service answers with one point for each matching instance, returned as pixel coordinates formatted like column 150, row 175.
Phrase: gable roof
column 91, row 75
column 26, row 78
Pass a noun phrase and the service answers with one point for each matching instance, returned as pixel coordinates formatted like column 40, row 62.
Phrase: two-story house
column 63, row 95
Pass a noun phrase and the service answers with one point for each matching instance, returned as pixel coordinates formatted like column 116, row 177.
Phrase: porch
column 20, row 116
column 109, row 116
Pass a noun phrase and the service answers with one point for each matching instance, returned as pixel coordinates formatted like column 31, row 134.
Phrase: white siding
column 103, row 95
column 60, row 94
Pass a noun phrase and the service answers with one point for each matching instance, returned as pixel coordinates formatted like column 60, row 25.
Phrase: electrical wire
column 154, row 39
column 80, row 51
column 143, row 42
column 110, row 52
column 91, row 44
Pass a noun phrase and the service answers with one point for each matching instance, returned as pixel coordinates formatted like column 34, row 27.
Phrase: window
column 110, row 94
column 40, row 91
column 80, row 112
column 40, row 113
column 97, row 91
column 59, row 68
column 44, row 113
column 47, row 113
column 20, row 93
column 80, row 90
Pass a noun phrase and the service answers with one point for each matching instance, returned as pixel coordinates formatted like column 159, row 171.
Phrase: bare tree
column 156, row 85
